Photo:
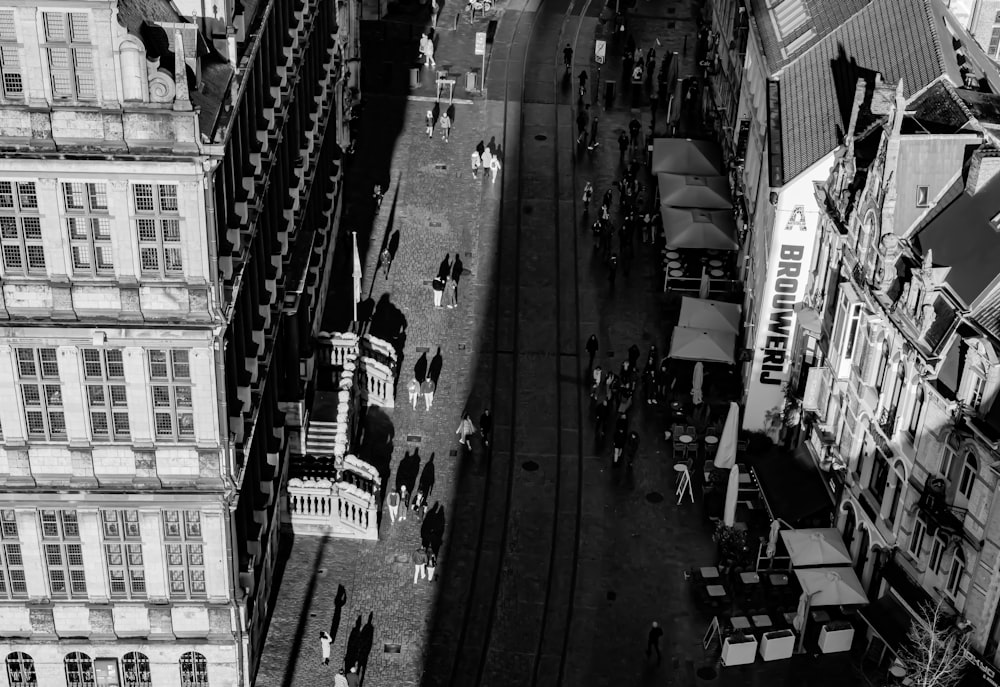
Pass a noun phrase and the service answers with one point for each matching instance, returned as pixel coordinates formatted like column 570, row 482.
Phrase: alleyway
column 554, row 562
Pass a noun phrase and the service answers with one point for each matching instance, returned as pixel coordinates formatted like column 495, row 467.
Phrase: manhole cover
column 707, row 673
column 612, row 596
column 528, row 209
column 461, row 347
column 440, row 166
column 541, row 137
column 321, row 571
column 654, row 497
column 312, row 615
column 413, row 438
column 391, row 648
column 529, row 465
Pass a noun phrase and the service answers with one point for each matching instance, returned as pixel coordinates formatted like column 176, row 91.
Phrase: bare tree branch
column 934, row 653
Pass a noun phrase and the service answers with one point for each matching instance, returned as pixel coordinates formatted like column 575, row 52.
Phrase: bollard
column 414, row 77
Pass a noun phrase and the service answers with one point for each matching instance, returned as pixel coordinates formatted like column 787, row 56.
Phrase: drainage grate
column 423, row 349
column 440, row 165
column 453, row 452
column 541, row 137
column 529, row 466
column 468, row 254
column 391, row 648
column 461, row 347
column 654, row 497
column 428, row 282
column 413, row 438
column 435, row 224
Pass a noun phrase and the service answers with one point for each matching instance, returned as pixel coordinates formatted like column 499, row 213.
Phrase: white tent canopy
column 725, row 454
column 684, row 156
column 819, row 546
column 702, row 313
column 709, row 345
column 694, row 191
column 832, row 586
column 699, row 229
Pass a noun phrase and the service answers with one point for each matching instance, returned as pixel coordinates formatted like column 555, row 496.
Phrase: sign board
column 480, row 42
column 710, row 633
column 600, row 48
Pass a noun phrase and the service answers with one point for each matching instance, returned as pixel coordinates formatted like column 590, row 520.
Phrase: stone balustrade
column 345, row 506
column 379, row 386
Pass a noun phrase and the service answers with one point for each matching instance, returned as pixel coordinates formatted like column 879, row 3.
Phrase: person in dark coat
column 592, row 346
column 622, row 146
column 486, row 427
column 353, row 645
column 633, row 356
column 437, row 527
column 601, row 413
column 444, row 270
column 618, row 441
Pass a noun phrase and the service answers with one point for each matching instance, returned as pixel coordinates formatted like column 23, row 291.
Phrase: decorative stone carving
column 161, row 86
column 182, row 99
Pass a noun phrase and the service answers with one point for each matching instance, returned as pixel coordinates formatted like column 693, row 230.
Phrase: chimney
column 983, row 167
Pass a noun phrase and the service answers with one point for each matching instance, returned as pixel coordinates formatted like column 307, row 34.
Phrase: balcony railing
column 938, row 512
column 887, row 421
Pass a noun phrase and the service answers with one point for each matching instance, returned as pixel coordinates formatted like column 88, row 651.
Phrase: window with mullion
column 11, row 74
column 184, row 553
column 21, row 229
column 65, row 566
column 41, row 393
column 70, row 56
column 170, row 377
column 13, row 580
column 89, row 228
column 104, row 373
column 158, row 229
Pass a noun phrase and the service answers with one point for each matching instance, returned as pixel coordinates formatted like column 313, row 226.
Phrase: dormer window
column 977, row 386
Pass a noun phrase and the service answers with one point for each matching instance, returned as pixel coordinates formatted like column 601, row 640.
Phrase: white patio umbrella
column 832, row 586
column 705, row 286
column 696, row 382
column 725, row 455
column 732, row 492
column 819, row 546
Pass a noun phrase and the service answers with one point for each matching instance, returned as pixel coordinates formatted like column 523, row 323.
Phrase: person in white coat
column 465, row 430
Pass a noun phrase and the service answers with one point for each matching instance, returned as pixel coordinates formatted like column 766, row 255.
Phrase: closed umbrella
column 705, row 286
column 772, row 538
column 725, row 455
column 696, row 381
column 732, row 492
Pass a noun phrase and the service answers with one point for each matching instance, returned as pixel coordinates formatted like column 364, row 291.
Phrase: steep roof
column 789, row 27
column 899, row 39
column 962, row 237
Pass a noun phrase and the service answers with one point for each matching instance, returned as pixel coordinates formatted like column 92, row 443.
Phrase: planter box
column 832, row 641
column 739, row 653
column 777, row 645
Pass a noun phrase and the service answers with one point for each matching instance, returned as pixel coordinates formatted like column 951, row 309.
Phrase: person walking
column 437, row 286
column 568, row 57
column 419, row 559
column 619, row 439
column 427, row 50
column 634, row 127
column 596, row 382
column 386, row 260
column 612, row 269
column 445, row 127
column 393, row 501
column 353, row 679
column 494, row 168
column 465, row 430
column 592, row 347
column 450, row 298
column 631, row 449
column 413, row 391
column 601, row 414
column 429, row 124
column 633, row 356
column 582, row 118
column 653, row 641
column 432, row 562
column 477, row 162
column 427, row 389
column 593, row 134
column 339, row 680
column 487, row 158
column 486, row 427
column 649, row 377
column 325, row 640
column 622, row 146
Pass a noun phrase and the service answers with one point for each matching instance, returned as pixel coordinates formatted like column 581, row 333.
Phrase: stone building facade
column 169, row 202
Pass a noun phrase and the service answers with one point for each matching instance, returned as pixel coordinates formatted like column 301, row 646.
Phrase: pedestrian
column 404, row 500
column 435, row 9
column 588, row 193
column 353, row 679
column 393, row 501
column 582, row 118
column 465, row 430
column 583, row 83
column 634, row 127
column 437, row 286
column 592, row 347
column 445, row 127
column 377, row 196
column 486, row 427
column 413, row 391
column 444, row 269
column 386, row 260
column 593, row 135
column 432, row 562
column 631, row 448
column 618, row 441
column 427, row 389
column 568, row 57
column 596, row 382
column 612, row 269
column 450, row 295
column 325, row 640
column 419, row 559
column 633, row 356
column 477, row 162
column 663, row 379
column 653, row 641
column 494, row 168
column 608, row 199
column 601, row 414
column 487, row 158
column 429, row 123
column 427, row 48
column 622, row 145
column 649, row 376
column 339, row 680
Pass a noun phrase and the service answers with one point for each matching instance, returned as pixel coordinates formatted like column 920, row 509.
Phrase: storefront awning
column 685, row 156
column 792, row 485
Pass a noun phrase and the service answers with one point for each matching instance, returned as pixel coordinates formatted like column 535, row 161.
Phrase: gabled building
column 169, row 183
column 898, row 356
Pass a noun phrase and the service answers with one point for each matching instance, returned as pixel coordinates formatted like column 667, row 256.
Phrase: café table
column 674, row 264
column 740, row 622
column 717, row 273
column 676, row 273
column 685, row 438
column 710, row 573
column 761, row 621
column 672, row 255
column 750, row 578
column 715, row 590
column 715, row 263
column 779, row 580
column 711, row 441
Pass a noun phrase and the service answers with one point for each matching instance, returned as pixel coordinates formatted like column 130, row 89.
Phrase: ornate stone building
column 169, row 202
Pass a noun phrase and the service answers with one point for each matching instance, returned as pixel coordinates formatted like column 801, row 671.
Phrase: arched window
column 136, row 669
column 897, row 492
column 194, row 670
column 918, row 408
column 968, row 478
column 79, row 670
column 883, row 365
column 897, row 390
column 21, row 670
column 955, row 573
column 850, row 524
